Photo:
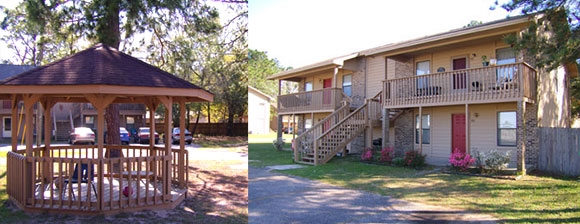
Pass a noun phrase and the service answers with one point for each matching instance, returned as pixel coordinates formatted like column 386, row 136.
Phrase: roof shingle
column 99, row 65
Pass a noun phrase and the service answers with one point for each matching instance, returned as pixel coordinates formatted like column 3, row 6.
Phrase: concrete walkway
column 278, row 198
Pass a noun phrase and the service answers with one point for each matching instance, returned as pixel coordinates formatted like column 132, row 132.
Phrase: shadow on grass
column 531, row 199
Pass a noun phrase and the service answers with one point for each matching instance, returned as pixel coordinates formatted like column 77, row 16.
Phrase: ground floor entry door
column 458, row 133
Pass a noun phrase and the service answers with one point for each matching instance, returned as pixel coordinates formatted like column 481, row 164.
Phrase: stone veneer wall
column 404, row 68
column 404, row 133
column 357, row 145
column 358, row 85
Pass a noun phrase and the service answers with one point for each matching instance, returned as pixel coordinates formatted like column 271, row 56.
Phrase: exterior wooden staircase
column 326, row 138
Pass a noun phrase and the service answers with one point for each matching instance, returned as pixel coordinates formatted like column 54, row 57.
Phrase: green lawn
column 530, row 199
column 266, row 154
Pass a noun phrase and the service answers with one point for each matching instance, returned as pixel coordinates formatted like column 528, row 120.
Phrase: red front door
column 458, row 133
column 460, row 78
column 327, row 93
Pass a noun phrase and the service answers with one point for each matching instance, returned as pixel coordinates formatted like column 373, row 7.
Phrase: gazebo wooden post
column 47, row 174
column 152, row 106
column 168, row 103
column 15, row 100
column 181, row 160
column 29, row 101
column 100, row 103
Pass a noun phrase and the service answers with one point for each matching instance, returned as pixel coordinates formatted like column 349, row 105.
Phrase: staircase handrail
column 340, row 112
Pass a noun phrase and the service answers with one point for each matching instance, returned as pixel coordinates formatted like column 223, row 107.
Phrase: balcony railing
column 503, row 83
column 144, row 178
column 324, row 100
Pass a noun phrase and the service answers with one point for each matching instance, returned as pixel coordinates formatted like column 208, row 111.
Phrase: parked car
column 175, row 136
column 124, row 136
column 81, row 134
column 143, row 135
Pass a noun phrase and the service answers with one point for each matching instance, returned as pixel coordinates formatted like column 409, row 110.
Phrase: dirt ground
column 218, row 193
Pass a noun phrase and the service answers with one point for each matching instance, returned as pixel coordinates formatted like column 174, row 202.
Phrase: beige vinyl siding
column 472, row 53
column 375, row 75
column 483, row 132
column 390, row 63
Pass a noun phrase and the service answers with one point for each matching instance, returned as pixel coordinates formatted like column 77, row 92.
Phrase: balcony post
column 279, row 117
column 369, row 126
column 386, row 123
column 315, row 144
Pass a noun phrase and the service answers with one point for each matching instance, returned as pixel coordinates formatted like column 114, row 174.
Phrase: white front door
column 7, row 127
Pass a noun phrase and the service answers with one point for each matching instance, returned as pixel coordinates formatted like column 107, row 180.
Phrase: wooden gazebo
column 80, row 179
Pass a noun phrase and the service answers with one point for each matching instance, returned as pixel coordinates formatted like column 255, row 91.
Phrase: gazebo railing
column 46, row 179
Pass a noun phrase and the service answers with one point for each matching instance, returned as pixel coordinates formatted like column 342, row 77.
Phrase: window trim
column 498, row 129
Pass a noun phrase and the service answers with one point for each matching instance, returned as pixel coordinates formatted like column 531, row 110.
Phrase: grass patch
column 534, row 198
column 219, row 141
column 263, row 152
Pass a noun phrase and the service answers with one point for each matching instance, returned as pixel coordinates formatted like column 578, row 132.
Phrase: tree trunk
column 108, row 33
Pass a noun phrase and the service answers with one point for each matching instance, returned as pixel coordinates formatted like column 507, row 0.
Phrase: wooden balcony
column 324, row 100
column 505, row 83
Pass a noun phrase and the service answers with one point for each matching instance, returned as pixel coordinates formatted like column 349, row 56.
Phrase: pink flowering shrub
column 460, row 160
column 367, row 154
column 387, row 154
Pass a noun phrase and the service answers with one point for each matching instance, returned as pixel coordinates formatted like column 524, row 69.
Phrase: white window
column 425, row 126
column 506, row 128
column 308, row 86
column 422, row 68
column 505, row 56
column 89, row 120
column 347, row 85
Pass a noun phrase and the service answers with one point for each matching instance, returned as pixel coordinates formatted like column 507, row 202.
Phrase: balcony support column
column 420, row 130
column 369, row 126
column 521, row 137
column 467, row 129
column 386, row 127
column 280, row 120
column 335, row 77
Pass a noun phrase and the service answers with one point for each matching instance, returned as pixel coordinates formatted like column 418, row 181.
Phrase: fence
column 212, row 129
column 560, row 151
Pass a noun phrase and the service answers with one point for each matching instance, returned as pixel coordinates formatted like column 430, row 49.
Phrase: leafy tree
column 473, row 23
column 259, row 68
column 109, row 21
column 35, row 44
column 562, row 19
column 215, row 61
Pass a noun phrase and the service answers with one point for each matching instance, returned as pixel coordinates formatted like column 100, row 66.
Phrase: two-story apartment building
column 464, row 90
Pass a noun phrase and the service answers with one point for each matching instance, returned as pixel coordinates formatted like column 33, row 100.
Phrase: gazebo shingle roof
column 99, row 65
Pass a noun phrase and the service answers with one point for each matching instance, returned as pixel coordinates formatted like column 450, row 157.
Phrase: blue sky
column 302, row 32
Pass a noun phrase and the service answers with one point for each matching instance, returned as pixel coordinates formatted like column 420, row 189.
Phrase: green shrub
column 497, row 161
column 414, row 159
column 398, row 161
